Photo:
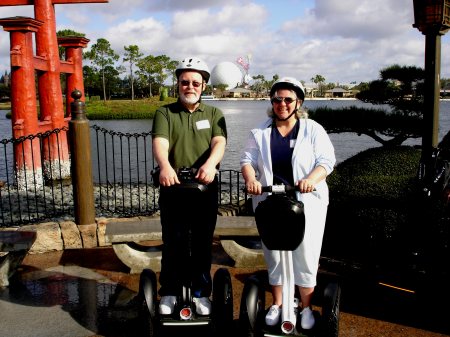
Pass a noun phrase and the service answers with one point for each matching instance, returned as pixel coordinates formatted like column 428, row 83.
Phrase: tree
column 319, row 80
column 112, row 79
column 171, row 67
column 401, row 88
column 132, row 56
column 259, row 86
column 162, row 75
column 66, row 32
column 156, row 69
column 148, row 68
column 92, row 82
column 275, row 78
column 102, row 55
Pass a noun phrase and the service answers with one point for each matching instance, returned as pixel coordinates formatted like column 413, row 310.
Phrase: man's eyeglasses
column 287, row 100
column 186, row 83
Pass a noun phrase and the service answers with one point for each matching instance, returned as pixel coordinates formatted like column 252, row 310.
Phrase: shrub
column 373, row 203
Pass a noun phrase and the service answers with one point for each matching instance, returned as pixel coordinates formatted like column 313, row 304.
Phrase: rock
column 70, row 235
column 48, row 237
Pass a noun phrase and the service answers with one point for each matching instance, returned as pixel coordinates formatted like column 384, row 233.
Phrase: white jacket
column 312, row 148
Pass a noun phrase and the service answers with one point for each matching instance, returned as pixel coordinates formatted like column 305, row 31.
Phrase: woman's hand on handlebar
column 305, row 185
column 253, row 187
column 168, row 177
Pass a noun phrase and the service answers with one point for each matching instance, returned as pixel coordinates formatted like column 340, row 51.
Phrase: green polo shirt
column 189, row 134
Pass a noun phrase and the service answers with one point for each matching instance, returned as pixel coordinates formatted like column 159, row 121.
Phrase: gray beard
column 189, row 100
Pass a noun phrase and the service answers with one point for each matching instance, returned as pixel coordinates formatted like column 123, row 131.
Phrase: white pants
column 306, row 256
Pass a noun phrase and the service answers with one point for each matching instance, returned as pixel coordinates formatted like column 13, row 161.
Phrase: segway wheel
column 252, row 308
column 147, row 291
column 330, row 310
column 222, row 302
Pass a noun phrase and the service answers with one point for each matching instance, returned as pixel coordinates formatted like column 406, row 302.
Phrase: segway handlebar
column 279, row 188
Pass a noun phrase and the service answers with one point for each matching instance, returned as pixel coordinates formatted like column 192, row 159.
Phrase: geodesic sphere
column 226, row 73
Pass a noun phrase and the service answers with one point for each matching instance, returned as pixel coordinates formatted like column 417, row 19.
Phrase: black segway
column 184, row 315
column 281, row 224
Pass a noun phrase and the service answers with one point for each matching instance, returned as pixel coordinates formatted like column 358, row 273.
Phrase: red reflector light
column 185, row 313
column 287, row 327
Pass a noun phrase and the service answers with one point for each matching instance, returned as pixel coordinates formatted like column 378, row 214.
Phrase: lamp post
column 432, row 19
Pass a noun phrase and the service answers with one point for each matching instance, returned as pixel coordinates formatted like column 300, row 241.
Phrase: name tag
column 204, row 124
column 292, row 143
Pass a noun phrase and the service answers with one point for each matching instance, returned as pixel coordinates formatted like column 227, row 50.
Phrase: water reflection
column 91, row 300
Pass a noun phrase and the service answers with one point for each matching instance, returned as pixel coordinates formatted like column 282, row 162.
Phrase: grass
column 124, row 109
column 117, row 109
column 5, row 106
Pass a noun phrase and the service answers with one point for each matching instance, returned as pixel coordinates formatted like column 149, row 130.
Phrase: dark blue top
column 281, row 149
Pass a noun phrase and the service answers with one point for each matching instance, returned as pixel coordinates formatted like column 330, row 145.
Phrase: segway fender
column 252, row 305
column 222, row 302
column 330, row 310
column 147, row 288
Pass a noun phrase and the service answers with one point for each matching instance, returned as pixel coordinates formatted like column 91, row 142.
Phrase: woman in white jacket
column 293, row 150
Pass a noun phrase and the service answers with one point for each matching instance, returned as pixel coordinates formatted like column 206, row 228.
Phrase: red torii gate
column 49, row 68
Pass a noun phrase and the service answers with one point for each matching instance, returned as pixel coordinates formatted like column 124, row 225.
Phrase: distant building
column 238, row 93
column 311, row 89
column 339, row 93
column 445, row 91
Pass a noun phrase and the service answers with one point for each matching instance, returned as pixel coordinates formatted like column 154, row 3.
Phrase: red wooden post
column 73, row 67
column 23, row 97
column 55, row 150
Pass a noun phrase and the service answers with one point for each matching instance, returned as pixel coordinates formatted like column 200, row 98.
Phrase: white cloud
column 343, row 41
column 183, row 5
column 148, row 34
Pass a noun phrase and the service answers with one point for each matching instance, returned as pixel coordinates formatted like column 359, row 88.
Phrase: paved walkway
column 88, row 292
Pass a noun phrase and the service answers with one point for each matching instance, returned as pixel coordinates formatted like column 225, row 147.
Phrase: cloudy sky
column 344, row 41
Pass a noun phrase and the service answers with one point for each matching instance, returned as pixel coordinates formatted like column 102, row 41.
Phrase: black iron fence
column 122, row 176
column 123, row 186
column 32, row 185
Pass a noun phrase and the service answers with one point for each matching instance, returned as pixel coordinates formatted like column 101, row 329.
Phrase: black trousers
column 188, row 219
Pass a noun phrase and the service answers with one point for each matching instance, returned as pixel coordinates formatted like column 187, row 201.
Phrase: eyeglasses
column 195, row 84
column 287, row 100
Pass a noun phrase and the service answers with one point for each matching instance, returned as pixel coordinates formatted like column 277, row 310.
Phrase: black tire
column 253, row 303
column 147, row 292
column 330, row 310
column 222, row 303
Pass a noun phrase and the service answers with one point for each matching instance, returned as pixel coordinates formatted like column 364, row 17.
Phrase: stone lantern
column 432, row 16
column 432, row 19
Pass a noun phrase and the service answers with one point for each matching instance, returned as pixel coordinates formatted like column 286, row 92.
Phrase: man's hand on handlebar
column 206, row 174
column 168, row 177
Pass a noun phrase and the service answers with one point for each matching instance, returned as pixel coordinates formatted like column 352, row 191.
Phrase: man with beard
column 188, row 134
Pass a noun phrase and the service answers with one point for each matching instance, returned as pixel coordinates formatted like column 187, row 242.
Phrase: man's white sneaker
column 273, row 316
column 167, row 304
column 202, row 305
column 307, row 321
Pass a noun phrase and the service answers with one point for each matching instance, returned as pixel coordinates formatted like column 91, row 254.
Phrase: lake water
column 241, row 116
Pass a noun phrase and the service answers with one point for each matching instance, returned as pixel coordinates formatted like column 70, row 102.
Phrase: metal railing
column 123, row 186
column 32, row 191
column 122, row 176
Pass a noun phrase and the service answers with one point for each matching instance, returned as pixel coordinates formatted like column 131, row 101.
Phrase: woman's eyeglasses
column 186, row 83
column 287, row 100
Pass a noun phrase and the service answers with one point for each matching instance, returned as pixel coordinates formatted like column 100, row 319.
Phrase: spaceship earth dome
column 226, row 73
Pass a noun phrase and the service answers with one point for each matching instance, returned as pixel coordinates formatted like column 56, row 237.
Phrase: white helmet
column 196, row 64
column 289, row 83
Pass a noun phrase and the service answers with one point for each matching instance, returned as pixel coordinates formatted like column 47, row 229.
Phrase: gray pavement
column 89, row 292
